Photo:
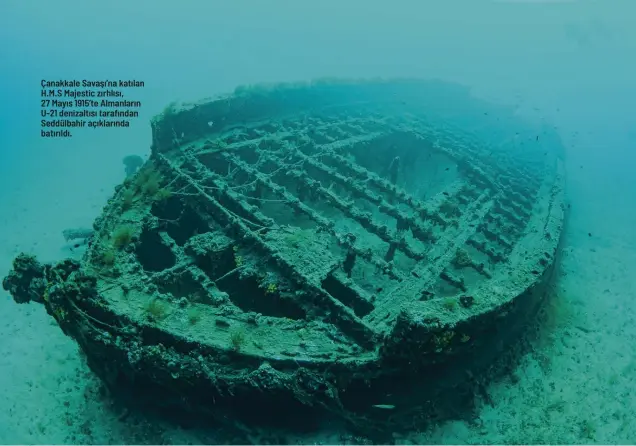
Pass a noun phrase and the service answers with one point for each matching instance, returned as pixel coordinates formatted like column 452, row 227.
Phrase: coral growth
column 122, row 236
column 127, row 199
column 149, row 181
column 156, row 310
column 462, row 259
column 237, row 339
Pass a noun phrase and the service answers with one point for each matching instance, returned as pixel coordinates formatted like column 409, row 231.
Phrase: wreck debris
column 77, row 234
column 132, row 163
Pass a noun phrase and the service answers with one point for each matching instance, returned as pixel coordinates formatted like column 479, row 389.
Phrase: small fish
column 384, row 406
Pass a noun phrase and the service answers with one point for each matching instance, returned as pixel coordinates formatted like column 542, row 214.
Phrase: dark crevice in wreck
column 348, row 297
column 247, row 294
column 180, row 220
column 153, row 254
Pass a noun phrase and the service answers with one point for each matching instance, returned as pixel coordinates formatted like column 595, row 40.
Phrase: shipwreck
column 351, row 248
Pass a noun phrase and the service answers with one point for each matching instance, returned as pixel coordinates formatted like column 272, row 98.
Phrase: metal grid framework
column 426, row 248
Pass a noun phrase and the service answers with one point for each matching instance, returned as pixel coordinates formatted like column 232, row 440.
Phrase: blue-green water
column 566, row 65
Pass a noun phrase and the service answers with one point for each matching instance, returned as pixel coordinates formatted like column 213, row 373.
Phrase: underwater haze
column 567, row 67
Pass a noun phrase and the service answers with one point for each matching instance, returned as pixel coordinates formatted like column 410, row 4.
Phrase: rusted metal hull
column 336, row 247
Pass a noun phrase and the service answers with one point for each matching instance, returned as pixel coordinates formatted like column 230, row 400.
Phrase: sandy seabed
column 576, row 385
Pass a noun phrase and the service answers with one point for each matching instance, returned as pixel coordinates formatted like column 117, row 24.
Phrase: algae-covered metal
column 334, row 245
